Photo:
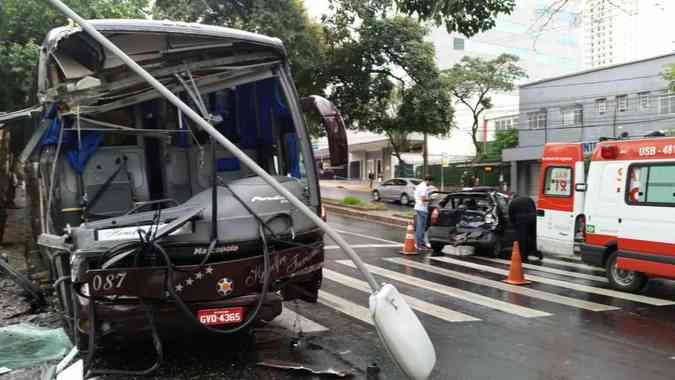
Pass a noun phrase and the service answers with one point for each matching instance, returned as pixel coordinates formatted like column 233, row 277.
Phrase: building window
column 644, row 101
column 572, row 116
column 505, row 124
column 458, row 43
column 622, row 103
column 667, row 104
column 601, row 105
column 536, row 120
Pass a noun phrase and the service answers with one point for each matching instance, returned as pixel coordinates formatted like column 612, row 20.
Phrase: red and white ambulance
column 612, row 203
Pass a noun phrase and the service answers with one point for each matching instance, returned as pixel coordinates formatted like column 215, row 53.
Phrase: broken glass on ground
column 24, row 345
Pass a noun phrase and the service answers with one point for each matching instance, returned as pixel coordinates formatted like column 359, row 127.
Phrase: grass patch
column 351, row 201
column 361, row 205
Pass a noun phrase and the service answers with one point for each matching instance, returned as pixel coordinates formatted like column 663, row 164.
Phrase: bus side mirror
column 581, row 187
column 335, row 128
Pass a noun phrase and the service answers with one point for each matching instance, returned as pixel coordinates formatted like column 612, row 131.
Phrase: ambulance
column 613, row 203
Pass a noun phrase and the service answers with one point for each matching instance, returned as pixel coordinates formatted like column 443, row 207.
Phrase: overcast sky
column 316, row 8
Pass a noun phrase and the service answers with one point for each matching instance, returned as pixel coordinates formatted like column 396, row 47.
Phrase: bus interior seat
column 126, row 185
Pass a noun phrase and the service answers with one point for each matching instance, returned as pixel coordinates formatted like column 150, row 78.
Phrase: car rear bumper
column 480, row 239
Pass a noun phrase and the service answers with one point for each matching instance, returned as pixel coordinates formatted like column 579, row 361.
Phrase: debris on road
column 273, row 363
column 24, row 282
column 24, row 345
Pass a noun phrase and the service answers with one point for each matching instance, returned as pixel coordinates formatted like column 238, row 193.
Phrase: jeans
column 420, row 228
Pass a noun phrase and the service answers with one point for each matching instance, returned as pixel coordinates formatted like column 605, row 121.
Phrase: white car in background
column 397, row 190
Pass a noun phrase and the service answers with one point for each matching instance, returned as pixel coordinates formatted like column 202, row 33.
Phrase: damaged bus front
column 146, row 221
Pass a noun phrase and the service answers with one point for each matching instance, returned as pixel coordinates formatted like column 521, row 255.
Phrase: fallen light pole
column 399, row 329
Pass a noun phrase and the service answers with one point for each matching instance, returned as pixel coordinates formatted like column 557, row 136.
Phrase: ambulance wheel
column 624, row 280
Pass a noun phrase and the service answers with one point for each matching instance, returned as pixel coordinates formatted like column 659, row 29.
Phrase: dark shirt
column 522, row 210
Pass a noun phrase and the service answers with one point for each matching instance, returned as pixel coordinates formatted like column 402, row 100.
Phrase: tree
column 383, row 76
column 504, row 139
column 473, row 80
column 468, row 17
column 284, row 19
column 669, row 75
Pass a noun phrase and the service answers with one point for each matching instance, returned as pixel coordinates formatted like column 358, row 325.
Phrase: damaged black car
column 474, row 217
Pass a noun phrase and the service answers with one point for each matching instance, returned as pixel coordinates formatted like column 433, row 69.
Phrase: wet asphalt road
column 565, row 325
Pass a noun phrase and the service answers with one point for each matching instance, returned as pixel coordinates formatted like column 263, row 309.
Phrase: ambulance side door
column 648, row 222
column 604, row 202
column 555, row 216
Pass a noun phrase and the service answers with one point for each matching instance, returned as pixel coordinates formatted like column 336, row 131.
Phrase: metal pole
column 222, row 140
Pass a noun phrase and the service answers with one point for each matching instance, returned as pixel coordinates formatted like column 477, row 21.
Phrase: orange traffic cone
column 409, row 245
column 516, row 276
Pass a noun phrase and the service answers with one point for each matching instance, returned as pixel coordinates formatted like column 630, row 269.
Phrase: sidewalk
column 351, row 185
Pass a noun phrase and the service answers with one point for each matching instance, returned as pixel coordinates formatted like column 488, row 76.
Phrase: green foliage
column 669, row 75
column 284, row 19
column 23, row 26
column 468, row 17
column 351, row 201
column 383, row 74
column 504, row 139
column 473, row 80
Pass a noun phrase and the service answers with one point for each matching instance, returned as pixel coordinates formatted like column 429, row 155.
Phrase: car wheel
column 405, row 200
column 376, row 196
column 437, row 249
column 624, row 280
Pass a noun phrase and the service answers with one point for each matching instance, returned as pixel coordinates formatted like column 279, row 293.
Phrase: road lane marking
column 368, row 237
column 417, row 304
column 345, row 307
column 453, row 292
column 563, row 284
column 290, row 320
column 366, row 246
column 550, row 270
column 532, row 293
column 574, row 265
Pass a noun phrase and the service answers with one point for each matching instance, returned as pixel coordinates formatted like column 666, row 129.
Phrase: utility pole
column 425, row 157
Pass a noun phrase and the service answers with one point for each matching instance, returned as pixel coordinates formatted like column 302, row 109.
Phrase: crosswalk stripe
column 574, row 265
column 563, row 284
column 368, row 237
column 533, row 293
column 365, row 246
column 290, row 320
column 345, row 307
column 550, row 270
column 454, row 292
column 417, row 304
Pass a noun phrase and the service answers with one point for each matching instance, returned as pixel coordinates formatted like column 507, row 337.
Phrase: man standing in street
column 523, row 215
column 421, row 213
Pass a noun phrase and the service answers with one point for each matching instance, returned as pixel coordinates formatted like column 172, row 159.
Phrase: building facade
column 630, row 98
column 617, row 31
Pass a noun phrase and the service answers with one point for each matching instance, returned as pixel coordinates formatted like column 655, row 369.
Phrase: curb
column 366, row 216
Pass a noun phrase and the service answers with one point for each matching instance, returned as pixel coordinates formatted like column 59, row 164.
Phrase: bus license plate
column 222, row 316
